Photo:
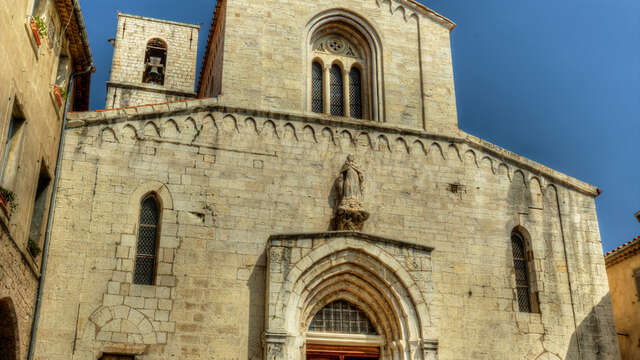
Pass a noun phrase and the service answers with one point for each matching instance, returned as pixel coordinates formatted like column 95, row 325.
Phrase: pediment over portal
column 388, row 280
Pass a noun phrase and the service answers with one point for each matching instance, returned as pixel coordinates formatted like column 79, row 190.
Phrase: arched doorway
column 349, row 275
column 9, row 344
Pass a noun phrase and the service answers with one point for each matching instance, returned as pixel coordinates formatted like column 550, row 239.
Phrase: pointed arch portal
column 348, row 295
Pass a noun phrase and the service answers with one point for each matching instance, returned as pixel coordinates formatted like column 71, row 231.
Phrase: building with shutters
column 317, row 200
column 623, row 270
column 45, row 68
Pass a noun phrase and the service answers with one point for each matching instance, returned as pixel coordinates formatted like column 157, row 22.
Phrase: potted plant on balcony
column 7, row 201
column 61, row 94
column 33, row 248
column 39, row 28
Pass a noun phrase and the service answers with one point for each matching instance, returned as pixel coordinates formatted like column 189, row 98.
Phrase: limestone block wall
column 265, row 50
column 210, row 82
column 127, row 68
column 238, row 177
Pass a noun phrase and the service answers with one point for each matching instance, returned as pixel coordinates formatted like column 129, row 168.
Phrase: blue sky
column 555, row 81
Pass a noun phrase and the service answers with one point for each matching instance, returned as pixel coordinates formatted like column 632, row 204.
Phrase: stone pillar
column 326, row 86
column 346, row 84
column 430, row 349
column 274, row 345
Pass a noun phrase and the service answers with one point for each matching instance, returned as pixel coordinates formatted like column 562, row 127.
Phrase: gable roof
column 622, row 252
column 413, row 4
column 80, row 50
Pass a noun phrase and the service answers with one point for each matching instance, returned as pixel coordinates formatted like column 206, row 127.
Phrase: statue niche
column 349, row 213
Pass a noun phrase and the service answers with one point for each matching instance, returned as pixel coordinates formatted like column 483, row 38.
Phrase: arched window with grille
column 148, row 234
column 317, row 88
column 337, row 91
column 355, row 93
column 342, row 317
column 527, row 301
column 155, row 62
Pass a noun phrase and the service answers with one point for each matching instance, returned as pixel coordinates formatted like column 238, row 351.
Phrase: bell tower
column 154, row 61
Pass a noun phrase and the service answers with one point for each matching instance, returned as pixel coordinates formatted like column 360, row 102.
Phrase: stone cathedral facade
column 315, row 200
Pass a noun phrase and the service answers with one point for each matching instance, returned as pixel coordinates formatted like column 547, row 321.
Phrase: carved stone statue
column 349, row 189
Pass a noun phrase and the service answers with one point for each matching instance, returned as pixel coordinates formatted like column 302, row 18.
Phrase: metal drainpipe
column 45, row 251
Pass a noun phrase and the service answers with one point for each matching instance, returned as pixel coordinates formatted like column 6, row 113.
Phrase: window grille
column 355, row 93
column 342, row 317
column 337, row 91
column 522, row 273
column 317, row 88
column 147, row 242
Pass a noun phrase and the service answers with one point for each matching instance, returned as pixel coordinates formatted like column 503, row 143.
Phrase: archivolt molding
column 357, row 268
column 231, row 128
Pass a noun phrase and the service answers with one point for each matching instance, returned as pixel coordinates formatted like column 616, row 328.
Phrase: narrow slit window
column 12, row 149
column 317, row 88
column 520, row 263
column 40, row 207
column 337, row 91
column 155, row 62
column 145, row 268
column 355, row 93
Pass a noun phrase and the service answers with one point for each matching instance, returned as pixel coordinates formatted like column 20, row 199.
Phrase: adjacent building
column 317, row 201
column 42, row 43
column 623, row 270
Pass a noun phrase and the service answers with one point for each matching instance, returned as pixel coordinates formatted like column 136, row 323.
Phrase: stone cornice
column 422, row 9
column 151, row 88
column 186, row 107
column 352, row 234
column 160, row 20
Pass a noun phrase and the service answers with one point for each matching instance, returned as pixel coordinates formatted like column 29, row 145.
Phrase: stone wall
column 133, row 33
column 210, row 82
column 237, row 178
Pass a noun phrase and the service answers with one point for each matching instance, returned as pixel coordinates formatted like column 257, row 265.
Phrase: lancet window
column 148, row 234
column 317, row 88
column 339, row 69
column 342, row 317
column 522, row 256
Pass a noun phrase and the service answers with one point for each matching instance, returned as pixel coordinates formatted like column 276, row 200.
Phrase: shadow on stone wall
column 596, row 335
column 256, row 284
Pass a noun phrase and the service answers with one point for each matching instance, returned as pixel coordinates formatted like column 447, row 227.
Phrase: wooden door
column 338, row 352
